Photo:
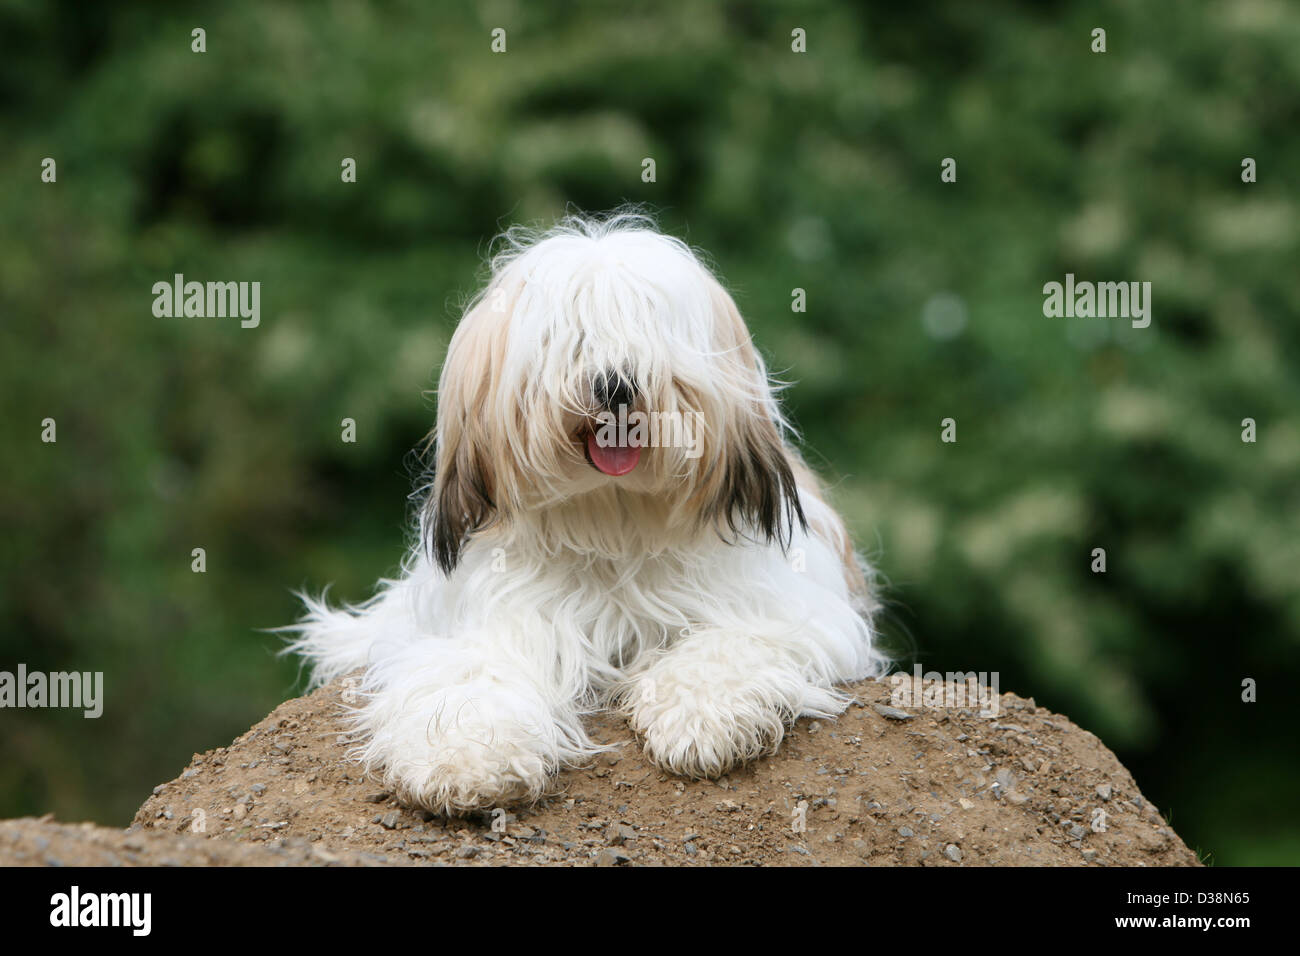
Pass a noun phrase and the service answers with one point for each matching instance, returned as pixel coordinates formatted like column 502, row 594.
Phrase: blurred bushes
column 817, row 171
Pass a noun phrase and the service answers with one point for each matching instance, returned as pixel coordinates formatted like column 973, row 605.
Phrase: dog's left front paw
column 718, row 702
column 697, row 731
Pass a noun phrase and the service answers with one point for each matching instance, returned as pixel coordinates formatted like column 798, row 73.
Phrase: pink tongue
column 613, row 460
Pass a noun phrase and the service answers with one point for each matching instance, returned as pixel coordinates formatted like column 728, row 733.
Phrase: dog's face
column 606, row 361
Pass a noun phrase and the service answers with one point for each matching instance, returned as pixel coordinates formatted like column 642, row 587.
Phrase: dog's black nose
column 612, row 389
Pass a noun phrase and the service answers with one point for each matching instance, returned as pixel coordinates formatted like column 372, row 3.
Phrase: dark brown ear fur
column 759, row 496
column 459, row 504
column 462, row 500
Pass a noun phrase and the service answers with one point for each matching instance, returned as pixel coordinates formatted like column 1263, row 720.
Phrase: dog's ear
column 756, row 492
column 459, row 504
column 461, row 499
column 759, row 495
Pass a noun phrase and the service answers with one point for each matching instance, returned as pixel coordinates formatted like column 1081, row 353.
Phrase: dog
column 616, row 519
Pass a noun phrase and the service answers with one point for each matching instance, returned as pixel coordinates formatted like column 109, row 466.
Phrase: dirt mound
column 880, row 786
column 42, row 842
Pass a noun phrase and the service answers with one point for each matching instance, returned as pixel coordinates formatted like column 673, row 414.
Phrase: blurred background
column 818, row 171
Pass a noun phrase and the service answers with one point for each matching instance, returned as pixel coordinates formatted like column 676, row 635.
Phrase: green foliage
column 819, row 171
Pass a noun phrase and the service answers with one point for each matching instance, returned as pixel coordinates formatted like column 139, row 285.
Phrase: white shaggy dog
column 699, row 582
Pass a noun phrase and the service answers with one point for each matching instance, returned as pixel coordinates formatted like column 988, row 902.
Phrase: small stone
column 377, row 797
column 389, row 820
column 905, row 831
column 964, row 803
column 258, row 788
column 1089, row 855
column 1078, row 831
column 953, row 852
column 611, row 856
column 466, row 852
column 891, row 713
column 1105, row 791
column 619, row 834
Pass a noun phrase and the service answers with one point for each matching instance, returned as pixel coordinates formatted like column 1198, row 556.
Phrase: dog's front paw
column 695, row 738
column 461, row 751
column 466, row 772
column 706, row 707
column 697, row 730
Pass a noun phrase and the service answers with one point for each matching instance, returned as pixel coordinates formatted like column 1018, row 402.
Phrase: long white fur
column 590, row 591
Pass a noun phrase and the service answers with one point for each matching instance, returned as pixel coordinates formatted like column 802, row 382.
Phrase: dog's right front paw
column 461, row 753
column 473, row 777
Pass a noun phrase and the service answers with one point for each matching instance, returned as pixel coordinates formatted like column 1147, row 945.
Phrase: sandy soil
column 928, row 787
